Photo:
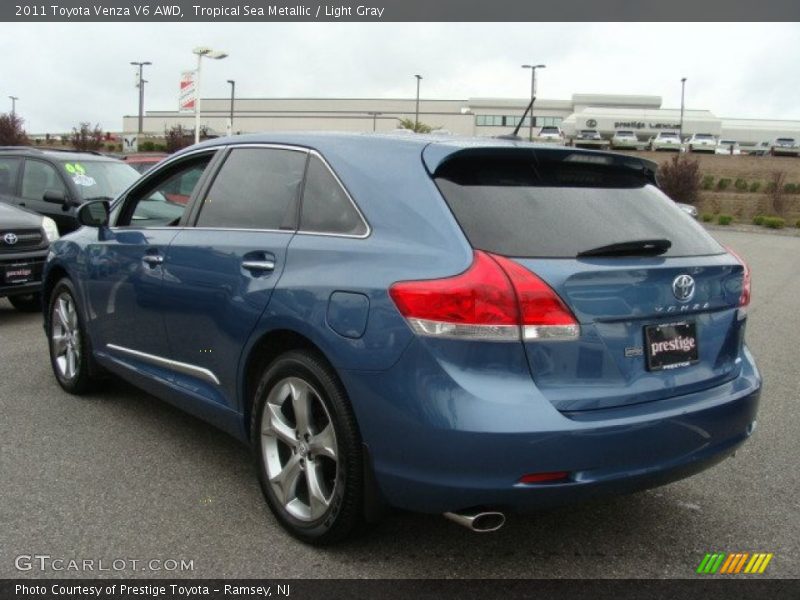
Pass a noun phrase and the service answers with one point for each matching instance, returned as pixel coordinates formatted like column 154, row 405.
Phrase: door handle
column 153, row 259
column 259, row 265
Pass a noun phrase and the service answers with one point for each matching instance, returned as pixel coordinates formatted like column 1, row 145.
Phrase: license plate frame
column 18, row 273
column 671, row 345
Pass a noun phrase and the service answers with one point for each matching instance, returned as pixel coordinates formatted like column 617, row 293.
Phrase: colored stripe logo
column 734, row 563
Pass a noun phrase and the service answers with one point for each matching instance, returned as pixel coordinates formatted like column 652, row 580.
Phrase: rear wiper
column 631, row 248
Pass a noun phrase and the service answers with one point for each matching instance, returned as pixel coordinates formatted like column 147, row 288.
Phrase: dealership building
column 470, row 117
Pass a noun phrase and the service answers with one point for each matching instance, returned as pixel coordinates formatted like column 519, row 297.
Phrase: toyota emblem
column 683, row 288
column 10, row 239
column 591, row 123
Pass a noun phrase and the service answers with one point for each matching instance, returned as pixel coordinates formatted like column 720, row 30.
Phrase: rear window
column 624, row 133
column 549, row 130
column 703, row 136
column 524, row 206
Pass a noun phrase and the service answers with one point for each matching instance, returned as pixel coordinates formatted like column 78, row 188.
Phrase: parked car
column 761, row 149
column 624, row 139
column 54, row 182
column 347, row 305
column 730, row 147
column 589, row 138
column 702, row 142
column 25, row 238
column 551, row 135
column 666, row 140
column 785, row 146
column 145, row 161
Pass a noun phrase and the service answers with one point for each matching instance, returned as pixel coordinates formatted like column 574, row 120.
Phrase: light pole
column 201, row 51
column 13, row 106
column 374, row 116
column 233, row 94
column 140, row 83
column 416, row 112
column 683, row 90
column 533, row 94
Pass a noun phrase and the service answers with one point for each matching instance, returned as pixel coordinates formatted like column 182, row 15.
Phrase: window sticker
column 84, row 180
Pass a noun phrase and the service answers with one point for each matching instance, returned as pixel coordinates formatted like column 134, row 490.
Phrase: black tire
column 83, row 379
column 27, row 302
column 344, row 513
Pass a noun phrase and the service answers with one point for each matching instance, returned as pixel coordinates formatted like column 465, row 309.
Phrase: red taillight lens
column 744, row 298
column 551, row 477
column 491, row 300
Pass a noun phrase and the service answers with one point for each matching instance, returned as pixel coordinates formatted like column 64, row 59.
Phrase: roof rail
column 43, row 150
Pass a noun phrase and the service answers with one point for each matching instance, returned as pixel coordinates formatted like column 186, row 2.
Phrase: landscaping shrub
column 740, row 184
column 680, row 179
column 147, row 146
column 759, row 220
column 797, row 224
column 707, row 217
column 791, row 188
column 774, row 222
column 755, row 186
column 725, row 219
column 708, row 182
column 85, row 137
column 723, row 183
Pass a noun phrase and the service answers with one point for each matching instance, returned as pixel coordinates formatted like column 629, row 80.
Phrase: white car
column 728, row 147
column 624, row 138
column 785, row 146
column 589, row 138
column 702, row 142
column 550, row 134
column 666, row 140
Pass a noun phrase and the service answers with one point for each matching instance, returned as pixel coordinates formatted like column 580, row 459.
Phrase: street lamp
column 201, row 51
column 13, row 106
column 374, row 116
column 683, row 90
column 533, row 94
column 416, row 112
column 140, row 84
column 233, row 94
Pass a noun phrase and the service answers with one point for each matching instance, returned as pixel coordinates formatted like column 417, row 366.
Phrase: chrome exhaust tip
column 478, row 521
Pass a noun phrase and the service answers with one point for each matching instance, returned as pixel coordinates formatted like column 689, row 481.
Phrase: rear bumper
column 442, row 446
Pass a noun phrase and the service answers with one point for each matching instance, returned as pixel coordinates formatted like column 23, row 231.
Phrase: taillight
column 744, row 297
column 495, row 299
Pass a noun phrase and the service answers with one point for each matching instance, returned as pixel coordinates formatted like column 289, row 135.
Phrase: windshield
column 624, row 134
column 727, row 142
column 549, row 130
column 99, row 179
column 703, row 136
column 786, row 140
column 668, row 135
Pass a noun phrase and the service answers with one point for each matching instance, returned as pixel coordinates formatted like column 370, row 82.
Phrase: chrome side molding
column 167, row 363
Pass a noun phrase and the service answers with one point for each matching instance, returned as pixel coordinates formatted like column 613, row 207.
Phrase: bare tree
column 85, row 138
column 680, row 179
column 12, row 132
column 178, row 137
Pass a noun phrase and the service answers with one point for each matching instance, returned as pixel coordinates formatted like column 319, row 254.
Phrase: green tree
column 418, row 127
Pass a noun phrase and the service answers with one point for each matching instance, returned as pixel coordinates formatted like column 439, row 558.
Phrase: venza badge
column 683, row 287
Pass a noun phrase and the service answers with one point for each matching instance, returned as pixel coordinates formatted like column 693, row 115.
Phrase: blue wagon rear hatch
column 659, row 303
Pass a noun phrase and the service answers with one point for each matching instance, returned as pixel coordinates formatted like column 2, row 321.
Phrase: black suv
column 55, row 182
column 24, row 241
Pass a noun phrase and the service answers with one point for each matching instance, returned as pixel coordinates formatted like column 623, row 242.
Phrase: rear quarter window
column 521, row 206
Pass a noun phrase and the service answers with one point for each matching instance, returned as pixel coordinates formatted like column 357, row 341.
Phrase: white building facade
column 470, row 117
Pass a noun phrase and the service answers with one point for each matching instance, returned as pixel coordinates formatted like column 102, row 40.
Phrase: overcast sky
column 67, row 73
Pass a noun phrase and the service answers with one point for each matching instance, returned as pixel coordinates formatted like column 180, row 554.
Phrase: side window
column 326, row 206
column 161, row 202
column 256, row 188
column 9, row 167
column 39, row 177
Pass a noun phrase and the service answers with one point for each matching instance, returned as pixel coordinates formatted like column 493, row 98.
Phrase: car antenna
column 515, row 135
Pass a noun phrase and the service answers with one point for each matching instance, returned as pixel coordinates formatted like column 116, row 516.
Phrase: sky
column 66, row 73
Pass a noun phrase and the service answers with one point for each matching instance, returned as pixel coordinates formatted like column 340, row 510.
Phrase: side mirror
column 94, row 214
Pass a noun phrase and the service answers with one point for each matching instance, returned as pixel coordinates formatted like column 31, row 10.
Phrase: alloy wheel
column 299, row 449
column 66, row 337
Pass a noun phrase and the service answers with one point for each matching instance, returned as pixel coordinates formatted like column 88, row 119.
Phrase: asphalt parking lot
column 123, row 475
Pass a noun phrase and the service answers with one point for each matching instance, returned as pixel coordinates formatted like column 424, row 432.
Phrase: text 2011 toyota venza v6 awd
column 462, row 327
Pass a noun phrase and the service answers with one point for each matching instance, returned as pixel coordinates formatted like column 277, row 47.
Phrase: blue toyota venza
column 465, row 327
